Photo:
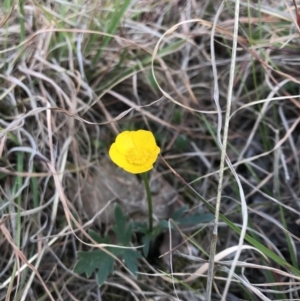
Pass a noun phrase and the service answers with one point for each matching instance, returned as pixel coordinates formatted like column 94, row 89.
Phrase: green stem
column 149, row 199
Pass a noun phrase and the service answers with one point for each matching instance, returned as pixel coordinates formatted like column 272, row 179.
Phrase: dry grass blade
column 21, row 256
column 223, row 146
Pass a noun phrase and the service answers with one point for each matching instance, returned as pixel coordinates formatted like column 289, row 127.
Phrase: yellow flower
column 134, row 151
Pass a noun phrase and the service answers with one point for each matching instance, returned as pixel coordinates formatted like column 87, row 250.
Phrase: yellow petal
column 117, row 157
column 120, row 160
column 124, row 142
column 134, row 151
column 153, row 157
column 135, row 169
column 144, row 139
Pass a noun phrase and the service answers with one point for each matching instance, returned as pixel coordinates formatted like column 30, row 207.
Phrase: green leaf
column 98, row 238
column 107, row 267
column 196, row 218
column 150, row 236
column 130, row 259
column 141, row 227
column 190, row 219
column 165, row 225
column 89, row 261
column 181, row 143
column 103, row 263
column 179, row 212
column 146, row 242
column 121, row 229
column 177, row 116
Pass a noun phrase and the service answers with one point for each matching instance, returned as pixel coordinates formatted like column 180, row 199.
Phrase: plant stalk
column 149, row 199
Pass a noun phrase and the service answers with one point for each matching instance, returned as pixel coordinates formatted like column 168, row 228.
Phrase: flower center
column 137, row 156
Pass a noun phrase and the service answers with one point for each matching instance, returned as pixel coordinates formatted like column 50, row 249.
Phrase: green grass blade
column 114, row 22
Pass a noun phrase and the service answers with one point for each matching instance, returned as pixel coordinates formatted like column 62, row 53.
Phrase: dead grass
column 75, row 73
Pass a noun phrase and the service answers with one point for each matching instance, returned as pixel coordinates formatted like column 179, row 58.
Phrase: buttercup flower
column 134, row 151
